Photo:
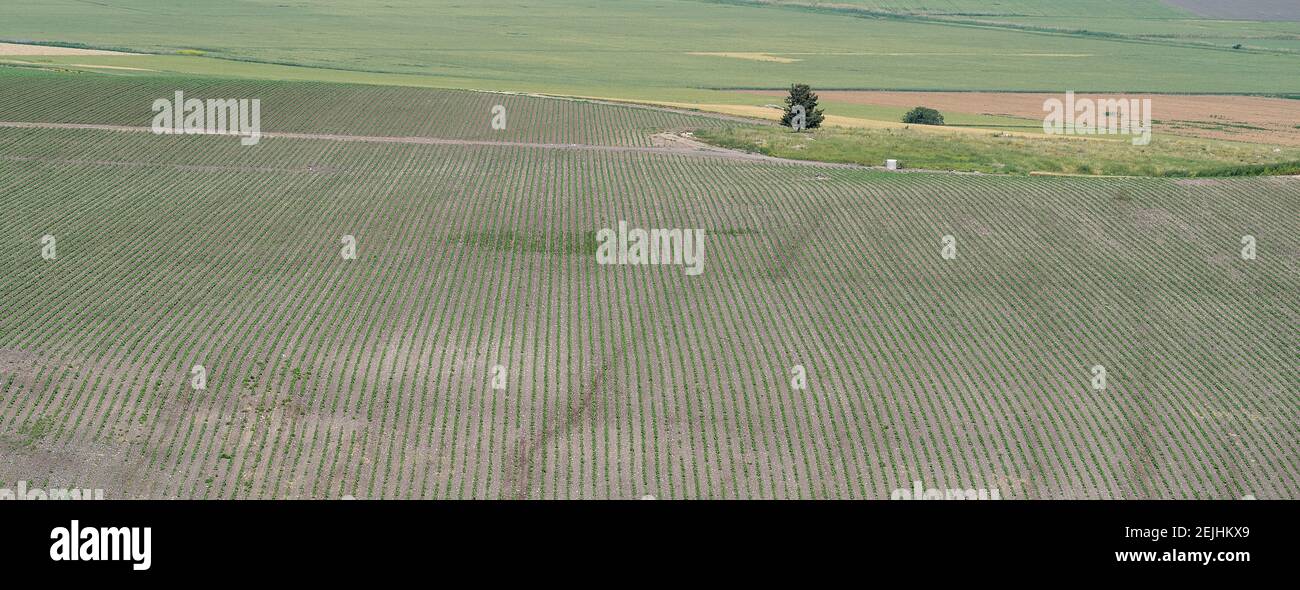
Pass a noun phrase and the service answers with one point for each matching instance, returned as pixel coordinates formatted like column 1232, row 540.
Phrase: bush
column 923, row 116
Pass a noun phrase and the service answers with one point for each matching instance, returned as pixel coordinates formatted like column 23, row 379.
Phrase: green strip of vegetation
column 1279, row 169
column 1165, row 156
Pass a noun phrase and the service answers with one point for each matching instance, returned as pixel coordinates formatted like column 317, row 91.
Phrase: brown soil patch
column 1238, row 118
column 19, row 364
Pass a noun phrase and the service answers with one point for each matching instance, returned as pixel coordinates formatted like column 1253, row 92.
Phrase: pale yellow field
column 21, row 49
column 749, row 56
column 63, row 65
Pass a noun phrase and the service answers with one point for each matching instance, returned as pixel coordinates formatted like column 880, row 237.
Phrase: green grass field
column 1147, row 22
column 1167, row 156
column 642, row 49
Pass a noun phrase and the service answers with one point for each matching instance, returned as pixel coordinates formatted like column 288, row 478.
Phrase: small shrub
column 923, row 116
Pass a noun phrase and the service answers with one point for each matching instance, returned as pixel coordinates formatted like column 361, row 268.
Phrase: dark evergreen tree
column 802, row 95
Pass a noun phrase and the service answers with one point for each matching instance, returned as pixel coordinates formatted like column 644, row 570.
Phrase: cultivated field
column 373, row 377
column 1268, row 25
column 1243, row 9
column 852, row 331
column 36, row 96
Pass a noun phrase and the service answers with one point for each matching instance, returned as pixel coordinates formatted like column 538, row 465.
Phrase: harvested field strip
column 372, row 377
column 29, row 49
column 749, row 56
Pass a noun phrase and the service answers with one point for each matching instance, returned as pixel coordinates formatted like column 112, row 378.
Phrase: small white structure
column 891, row 164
